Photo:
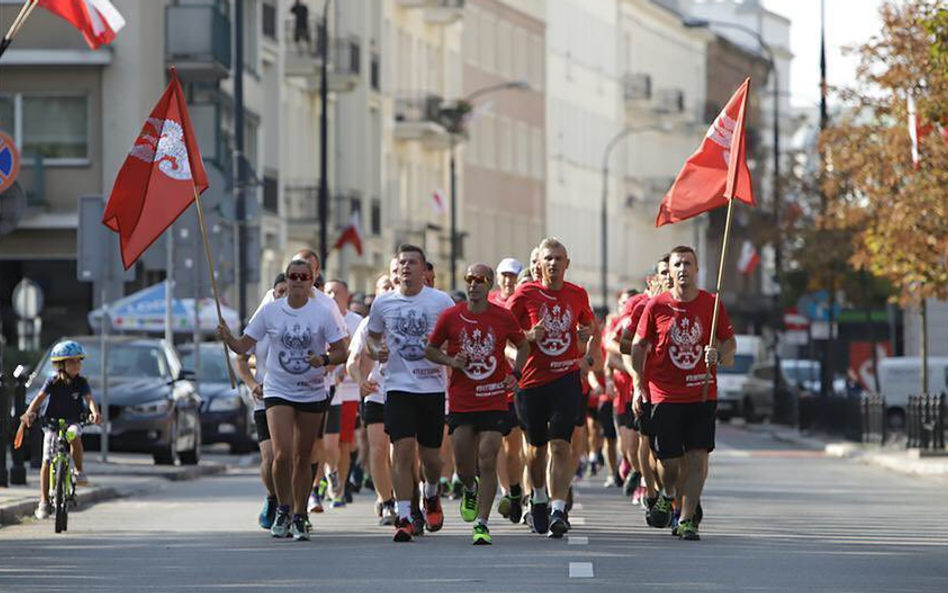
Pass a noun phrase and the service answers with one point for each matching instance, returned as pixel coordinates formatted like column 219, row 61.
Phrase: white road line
column 577, row 540
column 577, row 506
column 581, row 570
column 577, row 520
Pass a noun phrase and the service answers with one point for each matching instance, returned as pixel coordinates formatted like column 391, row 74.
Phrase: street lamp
column 454, row 117
column 604, row 214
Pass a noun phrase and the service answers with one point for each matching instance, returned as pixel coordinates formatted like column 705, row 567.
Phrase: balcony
column 197, row 42
column 301, row 202
column 303, row 58
column 418, row 118
column 442, row 12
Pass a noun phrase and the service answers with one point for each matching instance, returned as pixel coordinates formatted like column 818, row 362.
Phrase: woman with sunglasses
column 304, row 338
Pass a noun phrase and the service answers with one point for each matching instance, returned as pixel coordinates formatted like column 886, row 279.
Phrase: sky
column 848, row 23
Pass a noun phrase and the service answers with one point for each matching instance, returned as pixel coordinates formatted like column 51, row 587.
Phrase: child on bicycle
column 68, row 393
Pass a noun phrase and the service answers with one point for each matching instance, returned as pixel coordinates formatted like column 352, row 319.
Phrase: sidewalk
column 124, row 475
column 892, row 456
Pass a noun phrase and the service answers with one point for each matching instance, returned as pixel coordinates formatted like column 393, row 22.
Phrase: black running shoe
column 541, row 516
column 661, row 512
column 418, row 524
column 631, row 481
column 516, row 509
column 558, row 525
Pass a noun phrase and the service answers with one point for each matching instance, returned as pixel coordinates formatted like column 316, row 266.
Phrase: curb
column 14, row 513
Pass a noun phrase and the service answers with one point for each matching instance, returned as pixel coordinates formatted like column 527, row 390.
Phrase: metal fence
column 925, row 422
column 857, row 418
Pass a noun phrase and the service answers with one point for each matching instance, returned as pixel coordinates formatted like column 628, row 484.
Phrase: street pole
column 323, row 198
column 239, row 159
column 454, row 217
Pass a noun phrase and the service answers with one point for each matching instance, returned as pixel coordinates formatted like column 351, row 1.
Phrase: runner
column 252, row 373
column 299, row 328
column 550, row 396
column 677, row 325
column 369, row 376
column 476, row 334
column 414, row 386
column 619, row 414
column 339, row 437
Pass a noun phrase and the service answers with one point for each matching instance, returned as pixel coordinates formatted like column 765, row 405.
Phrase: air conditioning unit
column 670, row 101
column 637, row 87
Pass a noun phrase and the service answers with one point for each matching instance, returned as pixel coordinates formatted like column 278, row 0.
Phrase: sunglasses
column 475, row 279
column 299, row 277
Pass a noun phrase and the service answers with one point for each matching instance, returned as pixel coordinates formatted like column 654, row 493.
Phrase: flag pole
column 210, row 267
column 21, row 17
column 717, row 295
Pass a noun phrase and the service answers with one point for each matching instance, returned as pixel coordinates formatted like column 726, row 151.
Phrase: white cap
column 509, row 265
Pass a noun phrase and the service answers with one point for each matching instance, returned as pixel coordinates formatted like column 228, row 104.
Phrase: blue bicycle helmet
column 66, row 350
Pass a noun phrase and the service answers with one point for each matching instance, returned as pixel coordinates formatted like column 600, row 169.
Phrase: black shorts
column 334, row 419
column 263, row 429
column 485, row 421
column 513, row 420
column 418, row 416
column 373, row 413
column 308, row 407
column 624, row 418
column 677, row 428
column 592, row 413
column 606, row 421
column 643, row 423
column 549, row 412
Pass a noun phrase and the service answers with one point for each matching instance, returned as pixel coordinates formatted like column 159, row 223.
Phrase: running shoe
column 81, row 479
column 558, row 525
column 268, row 514
column 637, row 495
column 347, row 493
column 434, row 516
column 687, row 530
column 315, row 504
column 338, row 502
column 445, row 487
column 675, row 520
column 481, row 535
column 457, row 489
column 541, row 517
column 298, row 528
column 418, row 524
column 356, row 477
column 469, row 504
column 389, row 516
column 403, row 530
column 516, row 508
column 611, row 482
column 281, row 524
column 503, row 506
column 528, row 521
column 632, row 482
column 43, row 510
column 699, row 515
column 660, row 514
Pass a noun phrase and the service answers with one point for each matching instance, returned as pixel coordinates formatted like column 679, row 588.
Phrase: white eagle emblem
column 162, row 142
column 559, row 324
column 686, row 348
column 479, row 348
column 721, row 133
column 410, row 335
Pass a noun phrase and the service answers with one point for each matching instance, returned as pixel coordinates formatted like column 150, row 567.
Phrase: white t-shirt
column 357, row 344
column 407, row 321
column 347, row 390
column 295, row 336
column 320, row 296
column 260, row 350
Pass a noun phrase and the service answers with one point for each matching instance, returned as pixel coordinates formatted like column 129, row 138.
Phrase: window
column 375, row 72
column 250, row 35
column 375, row 220
column 54, row 126
column 271, row 193
column 269, row 20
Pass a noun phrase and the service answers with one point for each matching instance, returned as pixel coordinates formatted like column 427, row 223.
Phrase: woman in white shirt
column 304, row 338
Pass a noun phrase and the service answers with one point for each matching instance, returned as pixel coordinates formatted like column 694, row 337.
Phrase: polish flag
column 437, row 201
column 916, row 132
column 350, row 235
column 749, row 260
column 98, row 20
column 715, row 173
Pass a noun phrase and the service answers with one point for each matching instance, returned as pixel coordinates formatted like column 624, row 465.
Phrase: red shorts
column 341, row 420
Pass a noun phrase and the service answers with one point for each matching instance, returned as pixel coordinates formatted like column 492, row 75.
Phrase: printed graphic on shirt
column 685, row 350
column 297, row 343
column 479, row 348
column 410, row 334
column 558, row 323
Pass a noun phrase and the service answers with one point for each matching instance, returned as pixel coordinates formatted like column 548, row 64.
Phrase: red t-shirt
column 561, row 312
column 482, row 336
column 678, row 332
column 498, row 299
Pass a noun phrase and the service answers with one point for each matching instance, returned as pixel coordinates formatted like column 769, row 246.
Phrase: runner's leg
column 281, row 422
column 489, row 445
column 306, row 425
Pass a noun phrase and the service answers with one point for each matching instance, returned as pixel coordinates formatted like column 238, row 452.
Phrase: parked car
column 153, row 406
column 805, row 374
column 901, row 376
column 731, row 379
column 226, row 413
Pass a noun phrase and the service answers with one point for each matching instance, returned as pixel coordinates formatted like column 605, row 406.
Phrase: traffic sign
column 27, row 299
column 9, row 162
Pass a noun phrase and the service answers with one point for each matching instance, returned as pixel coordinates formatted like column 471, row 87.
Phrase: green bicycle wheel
column 62, row 510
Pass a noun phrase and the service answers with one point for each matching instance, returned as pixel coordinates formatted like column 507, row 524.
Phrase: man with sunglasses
column 476, row 333
column 414, row 386
column 557, row 318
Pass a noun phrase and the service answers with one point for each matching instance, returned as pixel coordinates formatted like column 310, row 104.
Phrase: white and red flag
column 715, row 173
column 350, row 235
column 749, row 259
column 437, row 202
column 159, row 179
column 98, row 20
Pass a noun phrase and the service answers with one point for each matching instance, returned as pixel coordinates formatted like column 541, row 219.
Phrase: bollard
column 939, row 422
column 911, row 424
column 18, row 470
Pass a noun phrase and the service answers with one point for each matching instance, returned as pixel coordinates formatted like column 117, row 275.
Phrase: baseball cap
column 509, row 265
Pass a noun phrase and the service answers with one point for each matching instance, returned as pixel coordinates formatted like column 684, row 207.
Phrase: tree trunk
column 923, row 352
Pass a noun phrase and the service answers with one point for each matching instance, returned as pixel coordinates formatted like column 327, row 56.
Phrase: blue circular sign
column 9, row 162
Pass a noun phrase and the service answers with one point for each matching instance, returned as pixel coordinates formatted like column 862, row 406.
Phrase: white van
column 731, row 379
column 901, row 376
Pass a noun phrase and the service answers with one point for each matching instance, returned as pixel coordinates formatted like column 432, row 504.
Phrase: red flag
column 157, row 182
column 717, row 171
column 749, row 259
column 350, row 235
column 98, row 20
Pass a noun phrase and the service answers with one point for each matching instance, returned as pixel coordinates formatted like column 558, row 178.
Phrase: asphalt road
column 776, row 519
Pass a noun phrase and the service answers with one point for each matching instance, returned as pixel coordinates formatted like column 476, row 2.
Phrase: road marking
column 581, row 570
column 577, row 506
column 577, row 520
column 578, row 540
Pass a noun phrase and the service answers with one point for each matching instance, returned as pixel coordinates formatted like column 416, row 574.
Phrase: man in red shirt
column 677, row 326
column 477, row 333
column 550, row 399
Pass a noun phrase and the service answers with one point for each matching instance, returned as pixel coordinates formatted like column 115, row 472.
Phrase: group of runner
column 516, row 388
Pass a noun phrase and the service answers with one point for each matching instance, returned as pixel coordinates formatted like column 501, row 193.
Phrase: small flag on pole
column 98, row 20
column 437, row 202
column 749, row 259
column 350, row 235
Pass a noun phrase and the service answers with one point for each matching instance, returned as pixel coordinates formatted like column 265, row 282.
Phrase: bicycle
column 62, row 487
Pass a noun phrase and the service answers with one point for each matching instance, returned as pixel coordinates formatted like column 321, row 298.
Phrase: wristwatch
column 325, row 360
